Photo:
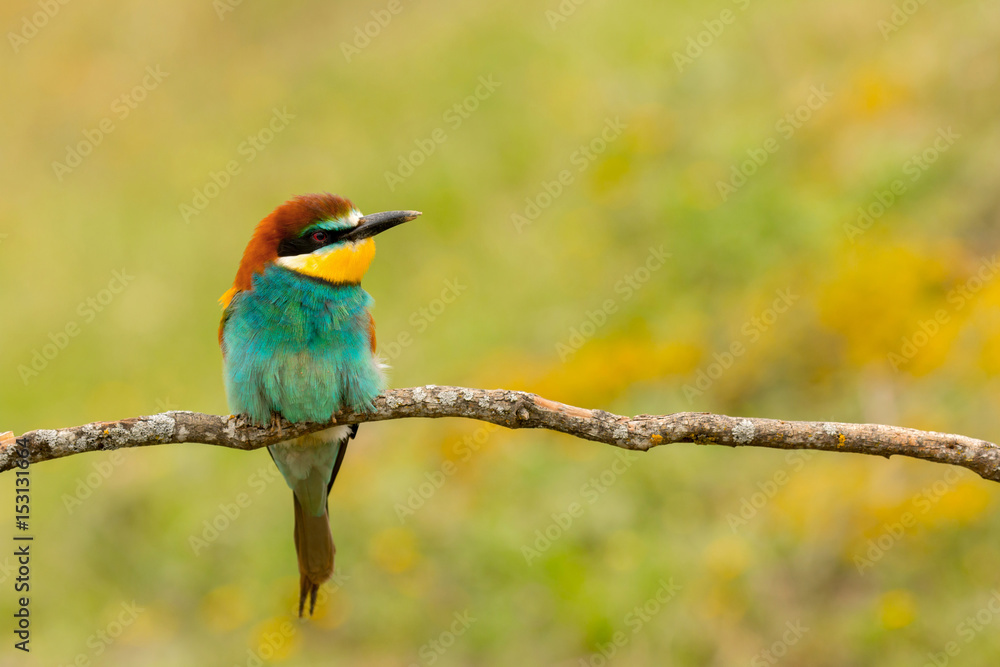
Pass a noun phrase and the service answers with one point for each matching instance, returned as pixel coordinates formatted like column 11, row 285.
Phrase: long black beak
column 376, row 223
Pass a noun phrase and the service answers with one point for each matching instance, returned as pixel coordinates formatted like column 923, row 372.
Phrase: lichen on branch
column 517, row 409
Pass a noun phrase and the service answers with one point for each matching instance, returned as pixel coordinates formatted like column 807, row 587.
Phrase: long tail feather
column 314, row 547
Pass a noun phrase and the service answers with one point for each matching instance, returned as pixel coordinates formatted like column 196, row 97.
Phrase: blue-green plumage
column 299, row 347
column 298, row 341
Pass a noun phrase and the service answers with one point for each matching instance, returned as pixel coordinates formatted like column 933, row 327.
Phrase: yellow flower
column 224, row 608
column 727, row 557
column 897, row 609
column 394, row 549
column 275, row 640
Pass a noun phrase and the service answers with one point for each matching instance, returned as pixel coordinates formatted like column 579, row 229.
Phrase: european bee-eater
column 298, row 341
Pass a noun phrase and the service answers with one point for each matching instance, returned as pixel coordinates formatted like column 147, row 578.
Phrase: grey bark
column 516, row 409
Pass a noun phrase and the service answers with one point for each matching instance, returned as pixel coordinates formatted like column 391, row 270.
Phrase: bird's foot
column 276, row 422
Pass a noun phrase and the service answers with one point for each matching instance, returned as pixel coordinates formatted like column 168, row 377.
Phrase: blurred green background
column 805, row 111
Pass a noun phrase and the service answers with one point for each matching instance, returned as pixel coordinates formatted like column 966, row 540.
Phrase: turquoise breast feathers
column 300, row 347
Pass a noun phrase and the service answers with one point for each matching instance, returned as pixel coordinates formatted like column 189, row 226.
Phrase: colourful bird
column 298, row 341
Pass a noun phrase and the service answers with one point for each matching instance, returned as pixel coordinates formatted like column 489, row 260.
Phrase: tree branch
column 516, row 409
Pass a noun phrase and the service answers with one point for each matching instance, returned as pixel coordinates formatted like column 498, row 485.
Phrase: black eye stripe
column 303, row 245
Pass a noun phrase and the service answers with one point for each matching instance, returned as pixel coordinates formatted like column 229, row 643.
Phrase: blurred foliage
column 757, row 541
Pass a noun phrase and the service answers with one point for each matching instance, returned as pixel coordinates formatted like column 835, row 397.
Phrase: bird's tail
column 314, row 546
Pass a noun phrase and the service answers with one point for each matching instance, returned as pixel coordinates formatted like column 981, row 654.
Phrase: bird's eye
column 320, row 236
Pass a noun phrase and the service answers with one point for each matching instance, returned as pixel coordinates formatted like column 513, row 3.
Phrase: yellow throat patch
column 345, row 264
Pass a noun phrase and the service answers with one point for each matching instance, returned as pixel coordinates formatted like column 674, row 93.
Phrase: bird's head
column 321, row 235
